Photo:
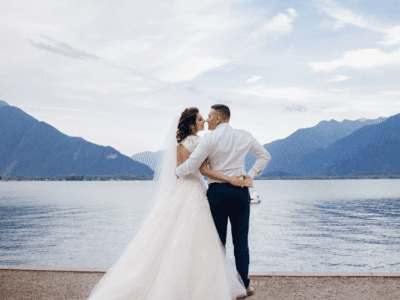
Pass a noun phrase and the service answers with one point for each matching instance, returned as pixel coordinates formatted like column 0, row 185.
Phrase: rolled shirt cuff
column 251, row 174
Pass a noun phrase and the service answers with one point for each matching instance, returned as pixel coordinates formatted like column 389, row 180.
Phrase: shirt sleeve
column 195, row 159
column 263, row 158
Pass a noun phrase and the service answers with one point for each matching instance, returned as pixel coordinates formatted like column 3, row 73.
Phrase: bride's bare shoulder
column 182, row 154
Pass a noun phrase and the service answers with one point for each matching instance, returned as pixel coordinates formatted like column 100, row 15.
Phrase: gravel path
column 27, row 284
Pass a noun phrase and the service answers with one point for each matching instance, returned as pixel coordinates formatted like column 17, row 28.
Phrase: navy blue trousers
column 228, row 201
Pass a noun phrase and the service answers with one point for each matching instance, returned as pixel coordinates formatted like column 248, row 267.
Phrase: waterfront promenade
column 31, row 282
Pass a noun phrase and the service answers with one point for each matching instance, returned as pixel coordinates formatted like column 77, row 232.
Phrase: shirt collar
column 222, row 125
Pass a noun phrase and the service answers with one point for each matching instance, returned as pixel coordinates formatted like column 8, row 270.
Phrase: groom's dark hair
column 223, row 111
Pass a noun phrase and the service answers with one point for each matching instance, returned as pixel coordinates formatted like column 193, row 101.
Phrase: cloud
column 339, row 78
column 65, row 117
column 146, row 58
column 73, row 95
column 51, row 45
column 294, row 108
column 188, row 67
column 279, row 25
column 394, row 93
column 177, row 41
column 263, row 91
column 392, row 36
column 67, row 109
column 364, row 58
column 166, row 41
column 219, row 100
column 345, row 17
column 253, row 79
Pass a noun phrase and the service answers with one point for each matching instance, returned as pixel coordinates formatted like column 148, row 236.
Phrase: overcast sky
column 116, row 72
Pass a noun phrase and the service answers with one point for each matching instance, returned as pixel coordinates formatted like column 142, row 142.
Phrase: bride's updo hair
column 187, row 123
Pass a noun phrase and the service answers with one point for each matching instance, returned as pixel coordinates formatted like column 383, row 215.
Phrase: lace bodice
column 190, row 143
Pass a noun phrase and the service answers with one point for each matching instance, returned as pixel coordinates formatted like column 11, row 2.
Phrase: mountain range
column 287, row 153
column 331, row 148
column 32, row 148
column 148, row 158
column 370, row 148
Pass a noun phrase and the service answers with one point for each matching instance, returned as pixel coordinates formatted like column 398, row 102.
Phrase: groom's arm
column 263, row 158
column 195, row 159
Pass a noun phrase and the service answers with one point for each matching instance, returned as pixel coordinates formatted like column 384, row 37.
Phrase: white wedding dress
column 177, row 254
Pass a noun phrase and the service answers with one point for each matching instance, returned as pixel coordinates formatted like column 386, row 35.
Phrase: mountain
column 278, row 174
column 380, row 156
column 148, row 158
column 287, row 152
column 367, row 143
column 3, row 103
column 33, row 148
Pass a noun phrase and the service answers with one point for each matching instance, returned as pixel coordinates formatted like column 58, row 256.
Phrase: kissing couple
column 179, row 251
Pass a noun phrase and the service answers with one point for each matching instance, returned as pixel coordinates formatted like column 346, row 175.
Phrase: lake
column 300, row 225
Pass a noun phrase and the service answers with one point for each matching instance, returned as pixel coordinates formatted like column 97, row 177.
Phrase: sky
column 116, row 73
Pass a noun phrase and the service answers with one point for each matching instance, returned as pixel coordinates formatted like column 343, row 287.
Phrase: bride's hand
column 248, row 180
column 238, row 181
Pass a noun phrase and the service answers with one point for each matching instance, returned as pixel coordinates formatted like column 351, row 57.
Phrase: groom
column 225, row 149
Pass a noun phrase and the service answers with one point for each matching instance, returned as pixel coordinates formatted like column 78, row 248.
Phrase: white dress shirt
column 226, row 149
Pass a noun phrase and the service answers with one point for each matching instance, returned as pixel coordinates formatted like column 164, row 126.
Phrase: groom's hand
column 237, row 181
column 248, row 181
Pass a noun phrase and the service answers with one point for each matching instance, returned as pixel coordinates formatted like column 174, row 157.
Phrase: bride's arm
column 183, row 154
column 205, row 171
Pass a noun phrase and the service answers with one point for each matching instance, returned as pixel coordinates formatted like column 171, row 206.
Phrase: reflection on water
column 21, row 224
column 342, row 225
column 346, row 229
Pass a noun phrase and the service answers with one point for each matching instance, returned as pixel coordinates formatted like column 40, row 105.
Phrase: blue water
column 338, row 225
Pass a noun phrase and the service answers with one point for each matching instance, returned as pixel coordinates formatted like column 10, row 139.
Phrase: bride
column 177, row 253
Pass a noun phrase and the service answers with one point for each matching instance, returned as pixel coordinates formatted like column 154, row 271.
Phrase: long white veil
column 163, row 180
column 164, row 176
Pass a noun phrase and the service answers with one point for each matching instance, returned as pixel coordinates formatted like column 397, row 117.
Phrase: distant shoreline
column 124, row 177
column 149, row 178
column 328, row 177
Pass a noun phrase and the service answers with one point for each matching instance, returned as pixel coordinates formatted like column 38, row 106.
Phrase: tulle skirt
column 177, row 254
